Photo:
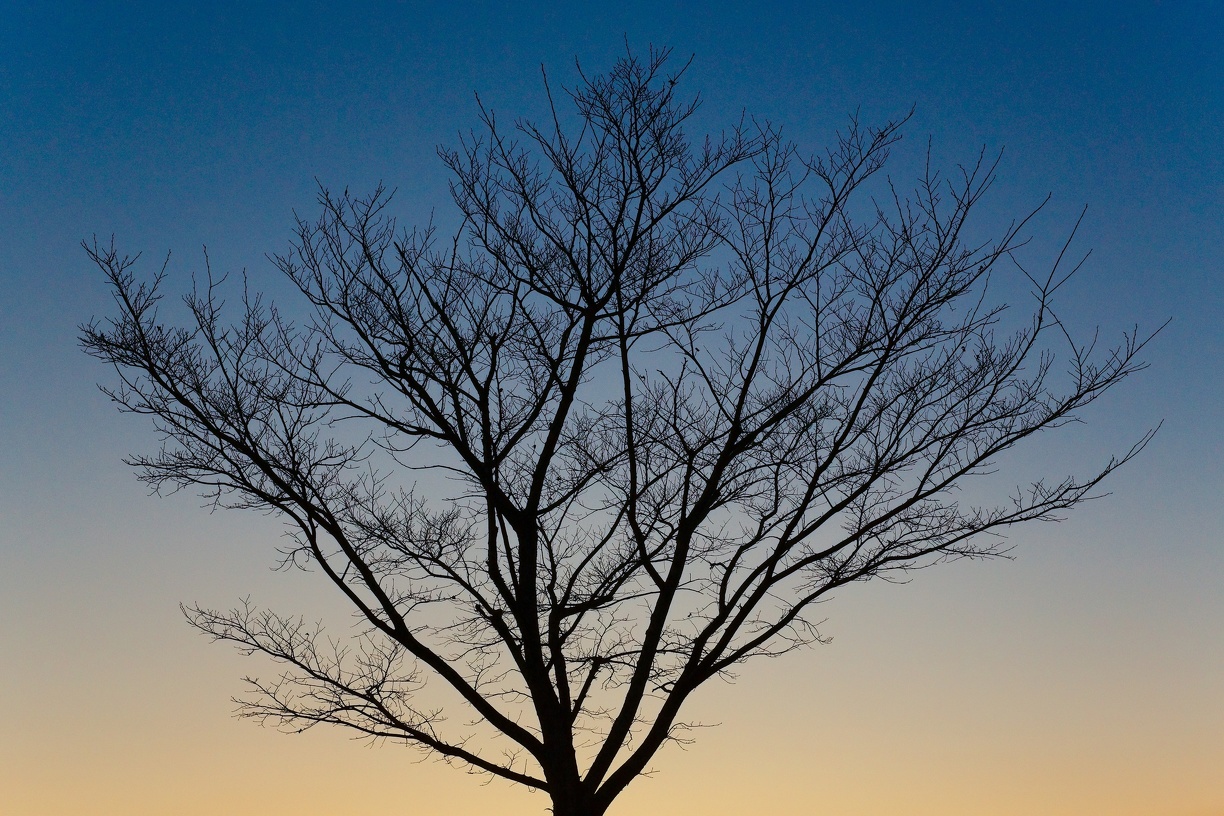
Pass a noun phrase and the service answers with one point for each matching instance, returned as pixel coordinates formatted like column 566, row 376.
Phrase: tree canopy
column 677, row 391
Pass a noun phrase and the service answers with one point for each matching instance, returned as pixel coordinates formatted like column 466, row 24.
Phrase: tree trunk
column 575, row 801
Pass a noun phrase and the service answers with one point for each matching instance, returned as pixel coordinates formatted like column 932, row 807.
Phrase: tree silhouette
column 613, row 436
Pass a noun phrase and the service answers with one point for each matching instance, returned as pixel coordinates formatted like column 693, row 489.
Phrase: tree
column 648, row 403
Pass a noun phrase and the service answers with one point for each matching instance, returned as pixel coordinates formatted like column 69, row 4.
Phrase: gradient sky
column 1084, row 677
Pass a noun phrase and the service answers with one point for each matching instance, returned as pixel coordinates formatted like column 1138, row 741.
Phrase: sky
column 1085, row 676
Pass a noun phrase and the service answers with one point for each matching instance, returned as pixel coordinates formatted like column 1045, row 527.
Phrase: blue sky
column 174, row 126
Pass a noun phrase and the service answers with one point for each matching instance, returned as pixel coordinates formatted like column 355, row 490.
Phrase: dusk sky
column 1083, row 677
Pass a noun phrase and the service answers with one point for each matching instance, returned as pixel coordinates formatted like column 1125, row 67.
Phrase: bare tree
column 676, row 393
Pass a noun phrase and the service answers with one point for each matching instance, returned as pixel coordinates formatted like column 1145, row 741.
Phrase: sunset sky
column 1085, row 677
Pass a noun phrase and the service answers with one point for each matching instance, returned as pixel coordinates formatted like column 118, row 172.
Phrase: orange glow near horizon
column 978, row 688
